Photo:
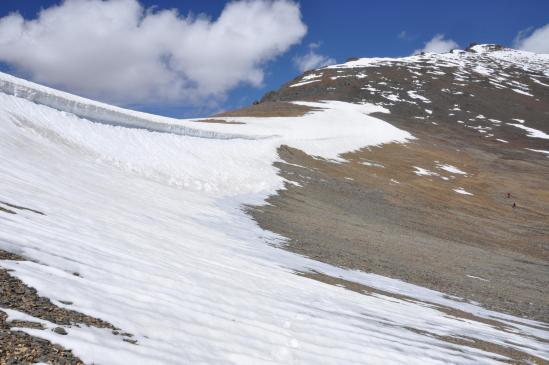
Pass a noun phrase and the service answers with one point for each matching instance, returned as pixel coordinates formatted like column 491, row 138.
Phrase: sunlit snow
column 462, row 191
column 532, row 132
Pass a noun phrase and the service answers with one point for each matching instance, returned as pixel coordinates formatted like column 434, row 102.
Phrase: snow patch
column 414, row 95
column 304, row 83
column 420, row 171
column 522, row 92
column 532, row 132
column 462, row 191
column 452, row 169
column 476, row 277
column 540, row 151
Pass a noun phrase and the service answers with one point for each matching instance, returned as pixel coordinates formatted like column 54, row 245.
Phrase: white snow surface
column 540, row 151
column 420, row 171
column 462, row 191
column 153, row 224
column 304, row 83
column 414, row 95
column 451, row 168
column 532, row 132
column 522, row 92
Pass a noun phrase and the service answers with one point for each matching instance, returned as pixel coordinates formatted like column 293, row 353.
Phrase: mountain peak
column 353, row 80
column 482, row 48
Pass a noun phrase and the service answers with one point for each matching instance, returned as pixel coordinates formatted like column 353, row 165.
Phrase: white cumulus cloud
column 118, row 51
column 537, row 41
column 312, row 59
column 438, row 45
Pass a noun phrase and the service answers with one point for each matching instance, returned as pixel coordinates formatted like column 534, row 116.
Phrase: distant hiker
column 514, row 205
column 508, row 195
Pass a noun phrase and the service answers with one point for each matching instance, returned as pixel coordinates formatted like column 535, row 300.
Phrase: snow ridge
column 102, row 113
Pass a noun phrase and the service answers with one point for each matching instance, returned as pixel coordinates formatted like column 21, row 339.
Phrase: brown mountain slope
column 439, row 211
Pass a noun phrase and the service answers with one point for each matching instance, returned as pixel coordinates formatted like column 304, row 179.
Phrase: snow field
column 152, row 223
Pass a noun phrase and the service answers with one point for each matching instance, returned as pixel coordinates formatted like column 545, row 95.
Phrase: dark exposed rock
column 18, row 207
column 60, row 331
column 270, row 96
column 5, row 210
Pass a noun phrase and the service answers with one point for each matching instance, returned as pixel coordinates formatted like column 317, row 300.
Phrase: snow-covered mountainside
column 500, row 67
column 137, row 220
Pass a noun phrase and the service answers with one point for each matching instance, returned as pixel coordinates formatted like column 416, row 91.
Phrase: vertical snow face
column 99, row 112
column 152, row 224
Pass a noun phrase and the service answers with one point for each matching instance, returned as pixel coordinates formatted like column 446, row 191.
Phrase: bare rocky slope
column 463, row 209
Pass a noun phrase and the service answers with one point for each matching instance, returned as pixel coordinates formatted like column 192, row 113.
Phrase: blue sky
column 340, row 29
